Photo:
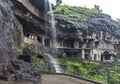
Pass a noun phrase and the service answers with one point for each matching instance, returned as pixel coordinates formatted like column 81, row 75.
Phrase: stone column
column 84, row 45
column 111, row 58
column 91, row 55
column 62, row 44
column 51, row 43
column 76, row 44
column 30, row 36
column 104, row 58
column 99, row 57
column 101, row 35
column 83, row 54
column 43, row 41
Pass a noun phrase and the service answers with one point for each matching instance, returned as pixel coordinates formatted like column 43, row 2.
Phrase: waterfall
column 53, row 28
column 49, row 57
column 53, row 61
column 45, row 9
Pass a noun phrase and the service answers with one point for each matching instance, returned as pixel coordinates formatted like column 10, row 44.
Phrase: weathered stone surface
column 11, row 33
column 96, row 23
column 31, row 21
column 24, row 72
column 11, row 43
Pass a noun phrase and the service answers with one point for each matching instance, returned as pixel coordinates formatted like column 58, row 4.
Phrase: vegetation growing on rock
column 74, row 13
column 92, row 70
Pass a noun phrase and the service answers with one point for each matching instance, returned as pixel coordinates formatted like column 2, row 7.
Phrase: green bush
column 92, row 70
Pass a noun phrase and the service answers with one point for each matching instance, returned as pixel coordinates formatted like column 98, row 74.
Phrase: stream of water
column 50, row 58
column 53, row 28
column 53, row 61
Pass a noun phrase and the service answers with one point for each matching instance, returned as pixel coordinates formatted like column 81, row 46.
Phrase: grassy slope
column 81, row 12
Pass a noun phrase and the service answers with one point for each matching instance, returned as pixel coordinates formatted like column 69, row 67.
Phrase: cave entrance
column 39, row 39
column 102, row 57
column 26, row 35
column 105, row 56
column 69, row 43
column 87, row 57
column 95, row 56
column 74, row 53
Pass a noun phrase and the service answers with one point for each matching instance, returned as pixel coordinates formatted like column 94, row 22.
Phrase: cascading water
column 56, row 65
column 50, row 58
column 54, row 39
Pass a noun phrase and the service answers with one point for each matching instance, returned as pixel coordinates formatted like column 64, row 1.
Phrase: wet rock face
column 11, row 41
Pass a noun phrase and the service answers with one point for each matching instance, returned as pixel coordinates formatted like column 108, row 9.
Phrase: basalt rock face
column 83, row 28
column 95, row 24
column 11, row 33
column 30, row 16
column 11, row 43
column 102, row 22
column 24, row 72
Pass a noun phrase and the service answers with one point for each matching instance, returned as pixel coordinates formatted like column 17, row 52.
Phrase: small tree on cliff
column 98, row 8
column 58, row 2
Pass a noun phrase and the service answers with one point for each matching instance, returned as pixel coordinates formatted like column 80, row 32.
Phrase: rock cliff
column 11, row 44
column 78, row 29
column 88, row 21
column 89, row 31
column 29, row 16
column 11, row 32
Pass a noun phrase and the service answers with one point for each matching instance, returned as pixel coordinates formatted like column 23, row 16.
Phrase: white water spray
column 52, row 60
column 56, row 65
column 54, row 38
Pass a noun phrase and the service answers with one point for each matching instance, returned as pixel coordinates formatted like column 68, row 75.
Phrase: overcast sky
column 111, row 7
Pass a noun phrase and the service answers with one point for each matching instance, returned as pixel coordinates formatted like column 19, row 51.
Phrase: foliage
column 58, row 2
column 38, row 60
column 98, row 8
column 92, row 70
column 74, row 13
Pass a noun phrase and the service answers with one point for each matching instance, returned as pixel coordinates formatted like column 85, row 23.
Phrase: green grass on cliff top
column 82, row 12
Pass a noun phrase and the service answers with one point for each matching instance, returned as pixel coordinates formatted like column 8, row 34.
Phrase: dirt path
column 62, row 79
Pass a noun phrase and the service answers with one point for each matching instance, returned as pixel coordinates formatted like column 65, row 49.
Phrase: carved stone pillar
column 83, row 54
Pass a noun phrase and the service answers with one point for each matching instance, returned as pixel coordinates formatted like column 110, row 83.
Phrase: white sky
column 111, row 7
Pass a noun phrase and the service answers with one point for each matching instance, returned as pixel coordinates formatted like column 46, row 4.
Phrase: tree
column 58, row 2
column 98, row 8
